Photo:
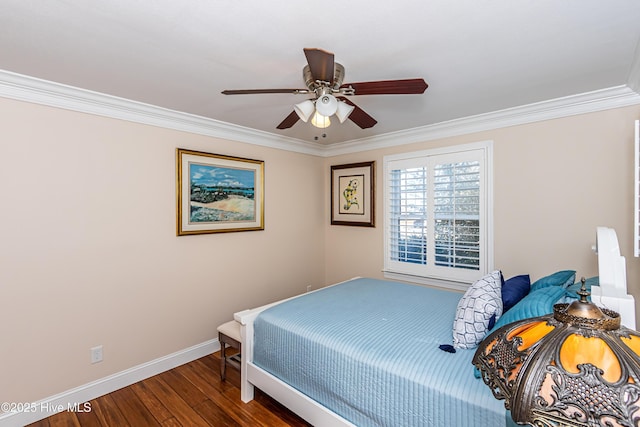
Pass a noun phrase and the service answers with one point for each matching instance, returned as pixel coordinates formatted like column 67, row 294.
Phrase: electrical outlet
column 309, row 288
column 96, row 354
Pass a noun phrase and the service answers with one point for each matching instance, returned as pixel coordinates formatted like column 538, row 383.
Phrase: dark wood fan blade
column 289, row 121
column 321, row 64
column 358, row 115
column 256, row 91
column 389, row 87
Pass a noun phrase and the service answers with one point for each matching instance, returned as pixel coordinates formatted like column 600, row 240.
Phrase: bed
column 366, row 352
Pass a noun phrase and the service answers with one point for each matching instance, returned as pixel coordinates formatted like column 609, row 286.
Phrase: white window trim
column 636, row 200
column 488, row 264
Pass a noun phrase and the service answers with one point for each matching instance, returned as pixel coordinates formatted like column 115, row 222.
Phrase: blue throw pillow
column 514, row 289
column 572, row 290
column 562, row 279
column 537, row 303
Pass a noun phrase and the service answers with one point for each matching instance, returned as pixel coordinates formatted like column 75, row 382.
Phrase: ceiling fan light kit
column 320, row 121
column 343, row 111
column 304, row 109
column 323, row 77
column 325, row 106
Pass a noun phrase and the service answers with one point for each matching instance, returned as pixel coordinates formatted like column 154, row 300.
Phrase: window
column 437, row 215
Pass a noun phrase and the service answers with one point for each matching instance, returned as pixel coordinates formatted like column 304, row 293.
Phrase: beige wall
column 89, row 253
column 554, row 183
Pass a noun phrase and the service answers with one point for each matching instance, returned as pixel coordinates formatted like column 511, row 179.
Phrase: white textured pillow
column 475, row 309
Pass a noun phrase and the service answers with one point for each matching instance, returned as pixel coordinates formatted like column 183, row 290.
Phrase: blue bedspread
column 368, row 350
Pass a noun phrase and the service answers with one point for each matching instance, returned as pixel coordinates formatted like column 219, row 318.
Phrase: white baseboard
column 73, row 399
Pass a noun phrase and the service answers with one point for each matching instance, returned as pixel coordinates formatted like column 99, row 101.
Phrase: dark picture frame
column 353, row 194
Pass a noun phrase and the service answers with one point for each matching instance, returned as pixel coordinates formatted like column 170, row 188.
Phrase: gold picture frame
column 217, row 193
column 353, row 194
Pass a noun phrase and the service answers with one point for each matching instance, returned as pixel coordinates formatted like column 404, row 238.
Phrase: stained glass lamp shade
column 575, row 367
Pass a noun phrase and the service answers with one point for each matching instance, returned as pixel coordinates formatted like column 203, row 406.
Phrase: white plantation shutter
column 456, row 200
column 437, row 214
column 408, row 210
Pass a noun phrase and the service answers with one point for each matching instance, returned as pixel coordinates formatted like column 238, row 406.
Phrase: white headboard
column 612, row 272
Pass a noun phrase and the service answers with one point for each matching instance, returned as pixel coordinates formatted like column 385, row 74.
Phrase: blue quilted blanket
column 368, row 350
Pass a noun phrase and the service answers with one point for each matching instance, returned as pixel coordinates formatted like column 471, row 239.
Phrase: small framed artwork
column 353, row 194
column 218, row 193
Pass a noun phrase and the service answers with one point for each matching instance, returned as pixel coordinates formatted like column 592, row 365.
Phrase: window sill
column 449, row 285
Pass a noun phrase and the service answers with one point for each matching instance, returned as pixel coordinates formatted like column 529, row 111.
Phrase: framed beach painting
column 353, row 194
column 218, row 193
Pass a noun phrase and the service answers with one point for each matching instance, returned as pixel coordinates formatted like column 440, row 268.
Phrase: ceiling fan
column 324, row 79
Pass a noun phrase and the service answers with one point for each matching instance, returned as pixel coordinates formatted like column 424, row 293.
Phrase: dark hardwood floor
column 189, row 395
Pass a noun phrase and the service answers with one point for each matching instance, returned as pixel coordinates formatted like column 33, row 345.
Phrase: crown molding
column 604, row 99
column 38, row 91
column 30, row 89
column 633, row 80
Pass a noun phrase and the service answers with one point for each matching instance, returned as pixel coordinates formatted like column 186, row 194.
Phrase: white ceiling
column 477, row 56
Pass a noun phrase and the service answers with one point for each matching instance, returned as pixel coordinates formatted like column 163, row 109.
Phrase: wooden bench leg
column 228, row 334
column 223, row 358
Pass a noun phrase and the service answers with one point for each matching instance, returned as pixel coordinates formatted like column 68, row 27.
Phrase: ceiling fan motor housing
column 314, row 85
